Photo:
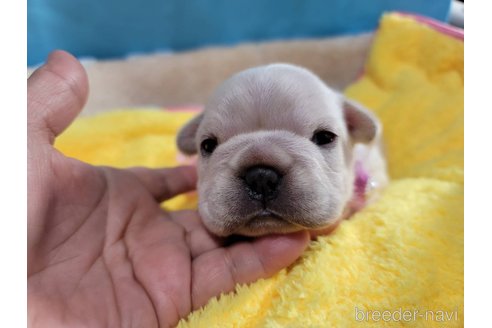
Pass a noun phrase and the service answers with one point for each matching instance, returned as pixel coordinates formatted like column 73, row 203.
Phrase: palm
column 101, row 251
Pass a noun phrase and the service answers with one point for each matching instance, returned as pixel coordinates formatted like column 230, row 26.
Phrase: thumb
column 56, row 93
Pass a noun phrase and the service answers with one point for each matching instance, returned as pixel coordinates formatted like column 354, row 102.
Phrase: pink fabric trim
column 443, row 28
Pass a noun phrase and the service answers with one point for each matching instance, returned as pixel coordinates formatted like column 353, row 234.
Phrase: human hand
column 101, row 251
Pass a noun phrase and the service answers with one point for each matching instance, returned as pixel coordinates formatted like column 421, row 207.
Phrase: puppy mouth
column 268, row 221
column 266, row 215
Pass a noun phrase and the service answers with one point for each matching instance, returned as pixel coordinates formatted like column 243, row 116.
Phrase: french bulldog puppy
column 280, row 151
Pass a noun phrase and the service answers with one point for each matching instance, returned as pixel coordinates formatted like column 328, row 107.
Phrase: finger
column 198, row 238
column 220, row 270
column 56, row 93
column 167, row 183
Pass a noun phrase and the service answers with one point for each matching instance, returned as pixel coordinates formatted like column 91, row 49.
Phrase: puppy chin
column 256, row 228
column 261, row 227
column 264, row 226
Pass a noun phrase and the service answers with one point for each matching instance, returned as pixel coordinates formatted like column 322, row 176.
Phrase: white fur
column 267, row 116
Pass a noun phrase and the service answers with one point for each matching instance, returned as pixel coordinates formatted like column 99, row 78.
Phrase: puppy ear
column 186, row 136
column 362, row 125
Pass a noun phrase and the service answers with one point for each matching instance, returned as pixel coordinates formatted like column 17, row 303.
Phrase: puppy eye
column 208, row 146
column 323, row 137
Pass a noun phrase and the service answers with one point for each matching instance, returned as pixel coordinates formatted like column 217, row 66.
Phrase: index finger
column 166, row 183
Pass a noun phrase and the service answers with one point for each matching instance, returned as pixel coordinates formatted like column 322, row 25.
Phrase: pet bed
column 401, row 255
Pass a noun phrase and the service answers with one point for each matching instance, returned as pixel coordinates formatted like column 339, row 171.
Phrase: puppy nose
column 262, row 182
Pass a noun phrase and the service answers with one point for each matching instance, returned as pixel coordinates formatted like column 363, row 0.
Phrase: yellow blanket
column 397, row 262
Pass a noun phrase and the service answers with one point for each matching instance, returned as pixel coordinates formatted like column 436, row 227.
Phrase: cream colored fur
column 267, row 116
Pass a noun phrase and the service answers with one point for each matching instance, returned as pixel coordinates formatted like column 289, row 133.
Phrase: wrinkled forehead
column 295, row 101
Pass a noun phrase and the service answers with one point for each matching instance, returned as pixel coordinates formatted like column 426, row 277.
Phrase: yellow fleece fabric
column 402, row 254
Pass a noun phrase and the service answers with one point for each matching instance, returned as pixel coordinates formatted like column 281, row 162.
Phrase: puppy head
column 275, row 152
